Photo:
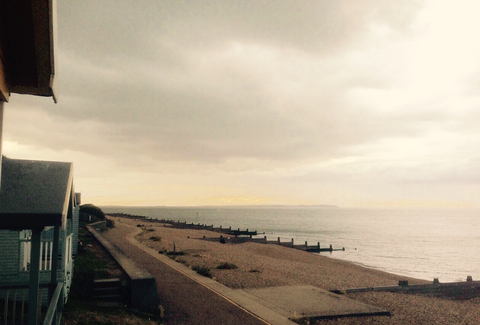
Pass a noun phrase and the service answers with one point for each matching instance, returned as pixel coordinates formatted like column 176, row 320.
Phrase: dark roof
column 27, row 37
column 35, row 193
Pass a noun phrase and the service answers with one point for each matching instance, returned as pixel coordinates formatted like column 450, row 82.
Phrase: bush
column 110, row 223
column 155, row 238
column 226, row 266
column 175, row 253
column 92, row 209
column 202, row 270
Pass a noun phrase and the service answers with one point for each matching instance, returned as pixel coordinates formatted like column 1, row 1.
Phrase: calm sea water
column 421, row 243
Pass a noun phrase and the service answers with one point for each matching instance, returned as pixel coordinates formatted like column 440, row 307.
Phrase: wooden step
column 107, row 289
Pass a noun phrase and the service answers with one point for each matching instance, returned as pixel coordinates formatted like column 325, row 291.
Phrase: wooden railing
column 55, row 308
column 46, row 253
column 15, row 304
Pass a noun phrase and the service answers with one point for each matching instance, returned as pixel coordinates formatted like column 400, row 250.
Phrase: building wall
column 76, row 218
column 10, row 252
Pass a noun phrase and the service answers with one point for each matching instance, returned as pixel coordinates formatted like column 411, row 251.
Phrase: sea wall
column 142, row 285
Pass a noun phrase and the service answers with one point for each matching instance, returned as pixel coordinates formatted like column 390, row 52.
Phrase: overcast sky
column 352, row 103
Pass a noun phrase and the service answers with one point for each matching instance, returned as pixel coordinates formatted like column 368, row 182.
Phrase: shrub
column 180, row 260
column 110, row 223
column 92, row 209
column 202, row 270
column 155, row 238
column 175, row 253
column 226, row 266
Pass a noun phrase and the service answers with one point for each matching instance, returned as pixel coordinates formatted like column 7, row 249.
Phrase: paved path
column 184, row 300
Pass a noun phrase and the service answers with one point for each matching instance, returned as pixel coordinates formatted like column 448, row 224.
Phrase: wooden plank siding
column 9, row 254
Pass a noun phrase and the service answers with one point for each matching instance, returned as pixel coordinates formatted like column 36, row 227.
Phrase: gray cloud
column 245, row 86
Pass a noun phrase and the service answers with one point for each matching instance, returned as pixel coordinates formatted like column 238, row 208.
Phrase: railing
column 46, row 253
column 15, row 304
column 46, row 256
column 54, row 312
column 12, row 297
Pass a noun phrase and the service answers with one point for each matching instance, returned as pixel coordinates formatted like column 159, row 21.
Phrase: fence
column 15, row 304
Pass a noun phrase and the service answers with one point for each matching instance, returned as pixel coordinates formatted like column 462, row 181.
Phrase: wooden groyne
column 458, row 290
column 234, row 236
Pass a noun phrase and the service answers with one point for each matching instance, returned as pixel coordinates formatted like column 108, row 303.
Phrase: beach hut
column 37, row 200
column 38, row 211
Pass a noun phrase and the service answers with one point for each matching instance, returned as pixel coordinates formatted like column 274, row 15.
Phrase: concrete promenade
column 189, row 298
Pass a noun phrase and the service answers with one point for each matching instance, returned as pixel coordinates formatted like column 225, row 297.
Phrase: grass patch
column 202, row 270
column 93, row 262
column 87, row 312
column 226, row 266
column 175, row 253
column 180, row 260
column 155, row 238
column 255, row 271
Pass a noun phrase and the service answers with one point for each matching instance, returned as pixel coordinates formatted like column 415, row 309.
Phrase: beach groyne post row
column 239, row 236
column 459, row 290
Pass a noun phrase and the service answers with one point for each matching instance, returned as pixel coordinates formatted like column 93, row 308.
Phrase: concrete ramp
column 309, row 302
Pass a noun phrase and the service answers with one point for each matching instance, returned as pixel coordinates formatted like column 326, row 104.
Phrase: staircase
column 108, row 292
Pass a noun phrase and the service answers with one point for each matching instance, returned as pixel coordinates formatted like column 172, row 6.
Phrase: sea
column 423, row 243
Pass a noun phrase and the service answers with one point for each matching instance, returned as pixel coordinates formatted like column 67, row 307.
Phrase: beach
column 260, row 265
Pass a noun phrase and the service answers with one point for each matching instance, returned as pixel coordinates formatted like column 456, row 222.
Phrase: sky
column 369, row 103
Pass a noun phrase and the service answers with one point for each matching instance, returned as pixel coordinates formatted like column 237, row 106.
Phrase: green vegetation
column 174, row 253
column 93, row 262
column 93, row 210
column 226, row 266
column 202, row 270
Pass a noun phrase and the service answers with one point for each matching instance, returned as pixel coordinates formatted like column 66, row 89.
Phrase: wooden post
column 318, row 245
column 34, row 277
column 279, row 240
column 265, row 237
column 331, row 248
column 54, row 257
column 292, row 242
column 306, row 244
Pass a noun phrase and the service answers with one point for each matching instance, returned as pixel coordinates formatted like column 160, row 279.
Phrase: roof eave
column 20, row 221
column 30, row 67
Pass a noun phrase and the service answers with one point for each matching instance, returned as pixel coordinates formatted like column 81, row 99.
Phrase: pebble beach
column 254, row 265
